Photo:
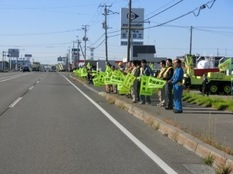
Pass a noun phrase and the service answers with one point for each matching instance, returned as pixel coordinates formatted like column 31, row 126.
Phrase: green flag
column 225, row 65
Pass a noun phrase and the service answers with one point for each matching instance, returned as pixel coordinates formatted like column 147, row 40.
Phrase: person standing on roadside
column 134, row 89
column 128, row 70
column 168, row 86
column 187, row 82
column 205, row 85
column 121, row 67
column 145, row 71
column 161, row 92
column 176, row 80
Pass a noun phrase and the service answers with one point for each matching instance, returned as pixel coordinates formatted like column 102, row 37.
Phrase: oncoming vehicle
column 26, row 69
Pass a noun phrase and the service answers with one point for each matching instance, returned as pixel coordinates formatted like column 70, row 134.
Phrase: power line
column 212, row 31
column 97, row 40
column 164, row 10
column 100, row 44
column 190, row 12
column 48, row 33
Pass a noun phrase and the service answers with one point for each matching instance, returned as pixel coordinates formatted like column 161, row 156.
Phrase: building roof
column 143, row 49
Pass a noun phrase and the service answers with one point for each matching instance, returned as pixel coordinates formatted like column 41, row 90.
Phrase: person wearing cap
column 176, row 80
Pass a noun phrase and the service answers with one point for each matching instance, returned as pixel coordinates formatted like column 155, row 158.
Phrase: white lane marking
column 145, row 149
column 15, row 102
column 11, row 77
column 37, row 81
column 31, row 88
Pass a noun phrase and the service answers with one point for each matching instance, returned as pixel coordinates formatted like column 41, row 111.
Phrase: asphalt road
column 51, row 125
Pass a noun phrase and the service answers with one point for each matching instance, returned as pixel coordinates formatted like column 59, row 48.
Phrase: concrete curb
column 188, row 141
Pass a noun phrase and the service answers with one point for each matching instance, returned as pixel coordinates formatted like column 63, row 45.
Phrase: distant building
column 140, row 52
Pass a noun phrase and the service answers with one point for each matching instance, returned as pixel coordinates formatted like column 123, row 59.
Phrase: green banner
column 225, row 65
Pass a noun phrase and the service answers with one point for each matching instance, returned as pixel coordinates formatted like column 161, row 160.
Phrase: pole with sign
column 132, row 25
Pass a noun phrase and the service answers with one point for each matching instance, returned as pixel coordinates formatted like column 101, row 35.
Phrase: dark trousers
column 205, row 90
column 168, row 95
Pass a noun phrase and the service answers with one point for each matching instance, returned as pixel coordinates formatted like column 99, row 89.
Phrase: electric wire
column 163, row 10
column 190, row 12
column 100, row 44
column 97, row 40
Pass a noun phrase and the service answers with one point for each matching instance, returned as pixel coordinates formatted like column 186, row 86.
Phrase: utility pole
column 85, row 39
column 105, row 26
column 106, row 32
column 191, row 40
column 92, row 52
column 3, row 54
column 129, row 31
column 78, row 56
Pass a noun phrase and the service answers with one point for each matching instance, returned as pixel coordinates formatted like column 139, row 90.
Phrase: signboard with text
column 135, row 34
column 136, row 27
column 124, row 43
column 13, row 52
column 137, row 18
column 28, row 55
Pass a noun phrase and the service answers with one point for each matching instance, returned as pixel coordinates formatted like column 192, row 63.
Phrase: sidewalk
column 195, row 120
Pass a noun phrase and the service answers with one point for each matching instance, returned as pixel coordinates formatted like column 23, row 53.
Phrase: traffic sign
column 13, row 52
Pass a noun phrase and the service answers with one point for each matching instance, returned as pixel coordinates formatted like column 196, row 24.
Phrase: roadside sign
column 135, row 34
column 125, row 43
column 13, row 52
column 59, row 59
column 27, row 55
column 137, row 18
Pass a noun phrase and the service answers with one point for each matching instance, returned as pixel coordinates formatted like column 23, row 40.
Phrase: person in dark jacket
column 205, row 85
column 168, row 74
column 187, row 82
column 146, row 71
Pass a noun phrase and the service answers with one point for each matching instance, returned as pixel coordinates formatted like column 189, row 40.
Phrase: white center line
column 15, row 102
column 31, row 88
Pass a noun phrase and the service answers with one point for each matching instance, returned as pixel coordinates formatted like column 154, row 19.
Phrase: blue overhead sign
column 13, row 52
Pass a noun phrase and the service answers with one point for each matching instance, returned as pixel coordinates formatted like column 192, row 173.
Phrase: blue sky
column 47, row 28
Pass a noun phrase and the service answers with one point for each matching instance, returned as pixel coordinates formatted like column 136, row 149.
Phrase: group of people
column 170, row 95
column 171, row 71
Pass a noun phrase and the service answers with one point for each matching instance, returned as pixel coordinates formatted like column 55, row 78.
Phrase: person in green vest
column 168, row 86
column 161, row 92
column 135, row 87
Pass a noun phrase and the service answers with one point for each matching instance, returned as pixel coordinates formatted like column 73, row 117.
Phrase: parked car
column 26, row 69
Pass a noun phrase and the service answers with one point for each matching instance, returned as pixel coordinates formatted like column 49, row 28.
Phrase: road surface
column 50, row 124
